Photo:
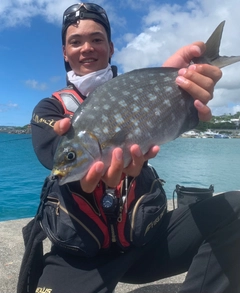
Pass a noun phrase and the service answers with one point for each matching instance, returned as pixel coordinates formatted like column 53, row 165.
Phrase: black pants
column 203, row 239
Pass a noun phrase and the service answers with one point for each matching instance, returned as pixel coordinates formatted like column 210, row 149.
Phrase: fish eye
column 71, row 156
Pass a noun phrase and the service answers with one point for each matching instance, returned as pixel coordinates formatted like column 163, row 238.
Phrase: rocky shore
column 11, row 251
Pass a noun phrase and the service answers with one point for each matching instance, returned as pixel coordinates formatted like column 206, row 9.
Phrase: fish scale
column 144, row 107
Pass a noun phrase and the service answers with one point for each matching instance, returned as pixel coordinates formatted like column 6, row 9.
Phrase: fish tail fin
column 211, row 55
column 223, row 61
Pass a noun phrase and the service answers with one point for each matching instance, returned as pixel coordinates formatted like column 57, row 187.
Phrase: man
column 203, row 239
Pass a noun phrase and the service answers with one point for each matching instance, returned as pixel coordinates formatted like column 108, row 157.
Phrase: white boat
column 190, row 134
column 209, row 133
column 221, row 136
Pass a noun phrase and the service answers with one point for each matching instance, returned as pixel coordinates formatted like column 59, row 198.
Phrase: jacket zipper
column 95, row 210
column 113, row 234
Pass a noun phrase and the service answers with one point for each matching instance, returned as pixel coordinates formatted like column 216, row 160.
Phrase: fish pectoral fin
column 115, row 141
column 107, row 146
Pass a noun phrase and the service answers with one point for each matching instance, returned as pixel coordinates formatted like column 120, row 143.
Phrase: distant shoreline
column 15, row 130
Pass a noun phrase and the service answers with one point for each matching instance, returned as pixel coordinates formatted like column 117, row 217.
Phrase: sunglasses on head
column 72, row 13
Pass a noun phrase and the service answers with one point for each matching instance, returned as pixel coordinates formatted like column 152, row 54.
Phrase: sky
column 145, row 33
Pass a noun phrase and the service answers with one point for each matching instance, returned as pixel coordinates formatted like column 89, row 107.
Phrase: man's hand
column 114, row 173
column 197, row 79
column 62, row 126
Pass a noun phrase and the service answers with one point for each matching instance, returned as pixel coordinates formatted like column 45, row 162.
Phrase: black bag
column 84, row 232
column 190, row 195
column 79, row 229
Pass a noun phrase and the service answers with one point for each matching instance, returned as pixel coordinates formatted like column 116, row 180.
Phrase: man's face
column 87, row 48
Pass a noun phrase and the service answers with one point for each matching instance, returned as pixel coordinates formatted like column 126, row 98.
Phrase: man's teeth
column 88, row 60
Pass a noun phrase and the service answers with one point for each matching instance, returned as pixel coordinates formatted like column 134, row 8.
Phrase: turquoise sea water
column 188, row 162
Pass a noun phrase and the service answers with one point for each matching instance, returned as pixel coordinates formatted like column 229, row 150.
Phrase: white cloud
column 21, row 12
column 55, row 79
column 12, row 105
column 7, row 107
column 169, row 27
column 41, row 86
column 236, row 108
column 164, row 29
column 136, row 5
column 36, row 85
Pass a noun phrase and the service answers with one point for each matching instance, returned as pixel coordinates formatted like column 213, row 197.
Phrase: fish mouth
column 61, row 176
column 59, row 173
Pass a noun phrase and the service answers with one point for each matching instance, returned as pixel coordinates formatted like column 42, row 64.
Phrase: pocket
column 147, row 214
column 142, row 216
column 75, row 234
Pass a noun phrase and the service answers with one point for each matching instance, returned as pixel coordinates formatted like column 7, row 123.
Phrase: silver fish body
column 143, row 107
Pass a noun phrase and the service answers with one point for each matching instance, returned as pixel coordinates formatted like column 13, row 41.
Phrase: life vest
column 69, row 99
column 141, row 204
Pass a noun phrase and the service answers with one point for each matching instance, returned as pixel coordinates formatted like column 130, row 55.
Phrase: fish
column 144, row 106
